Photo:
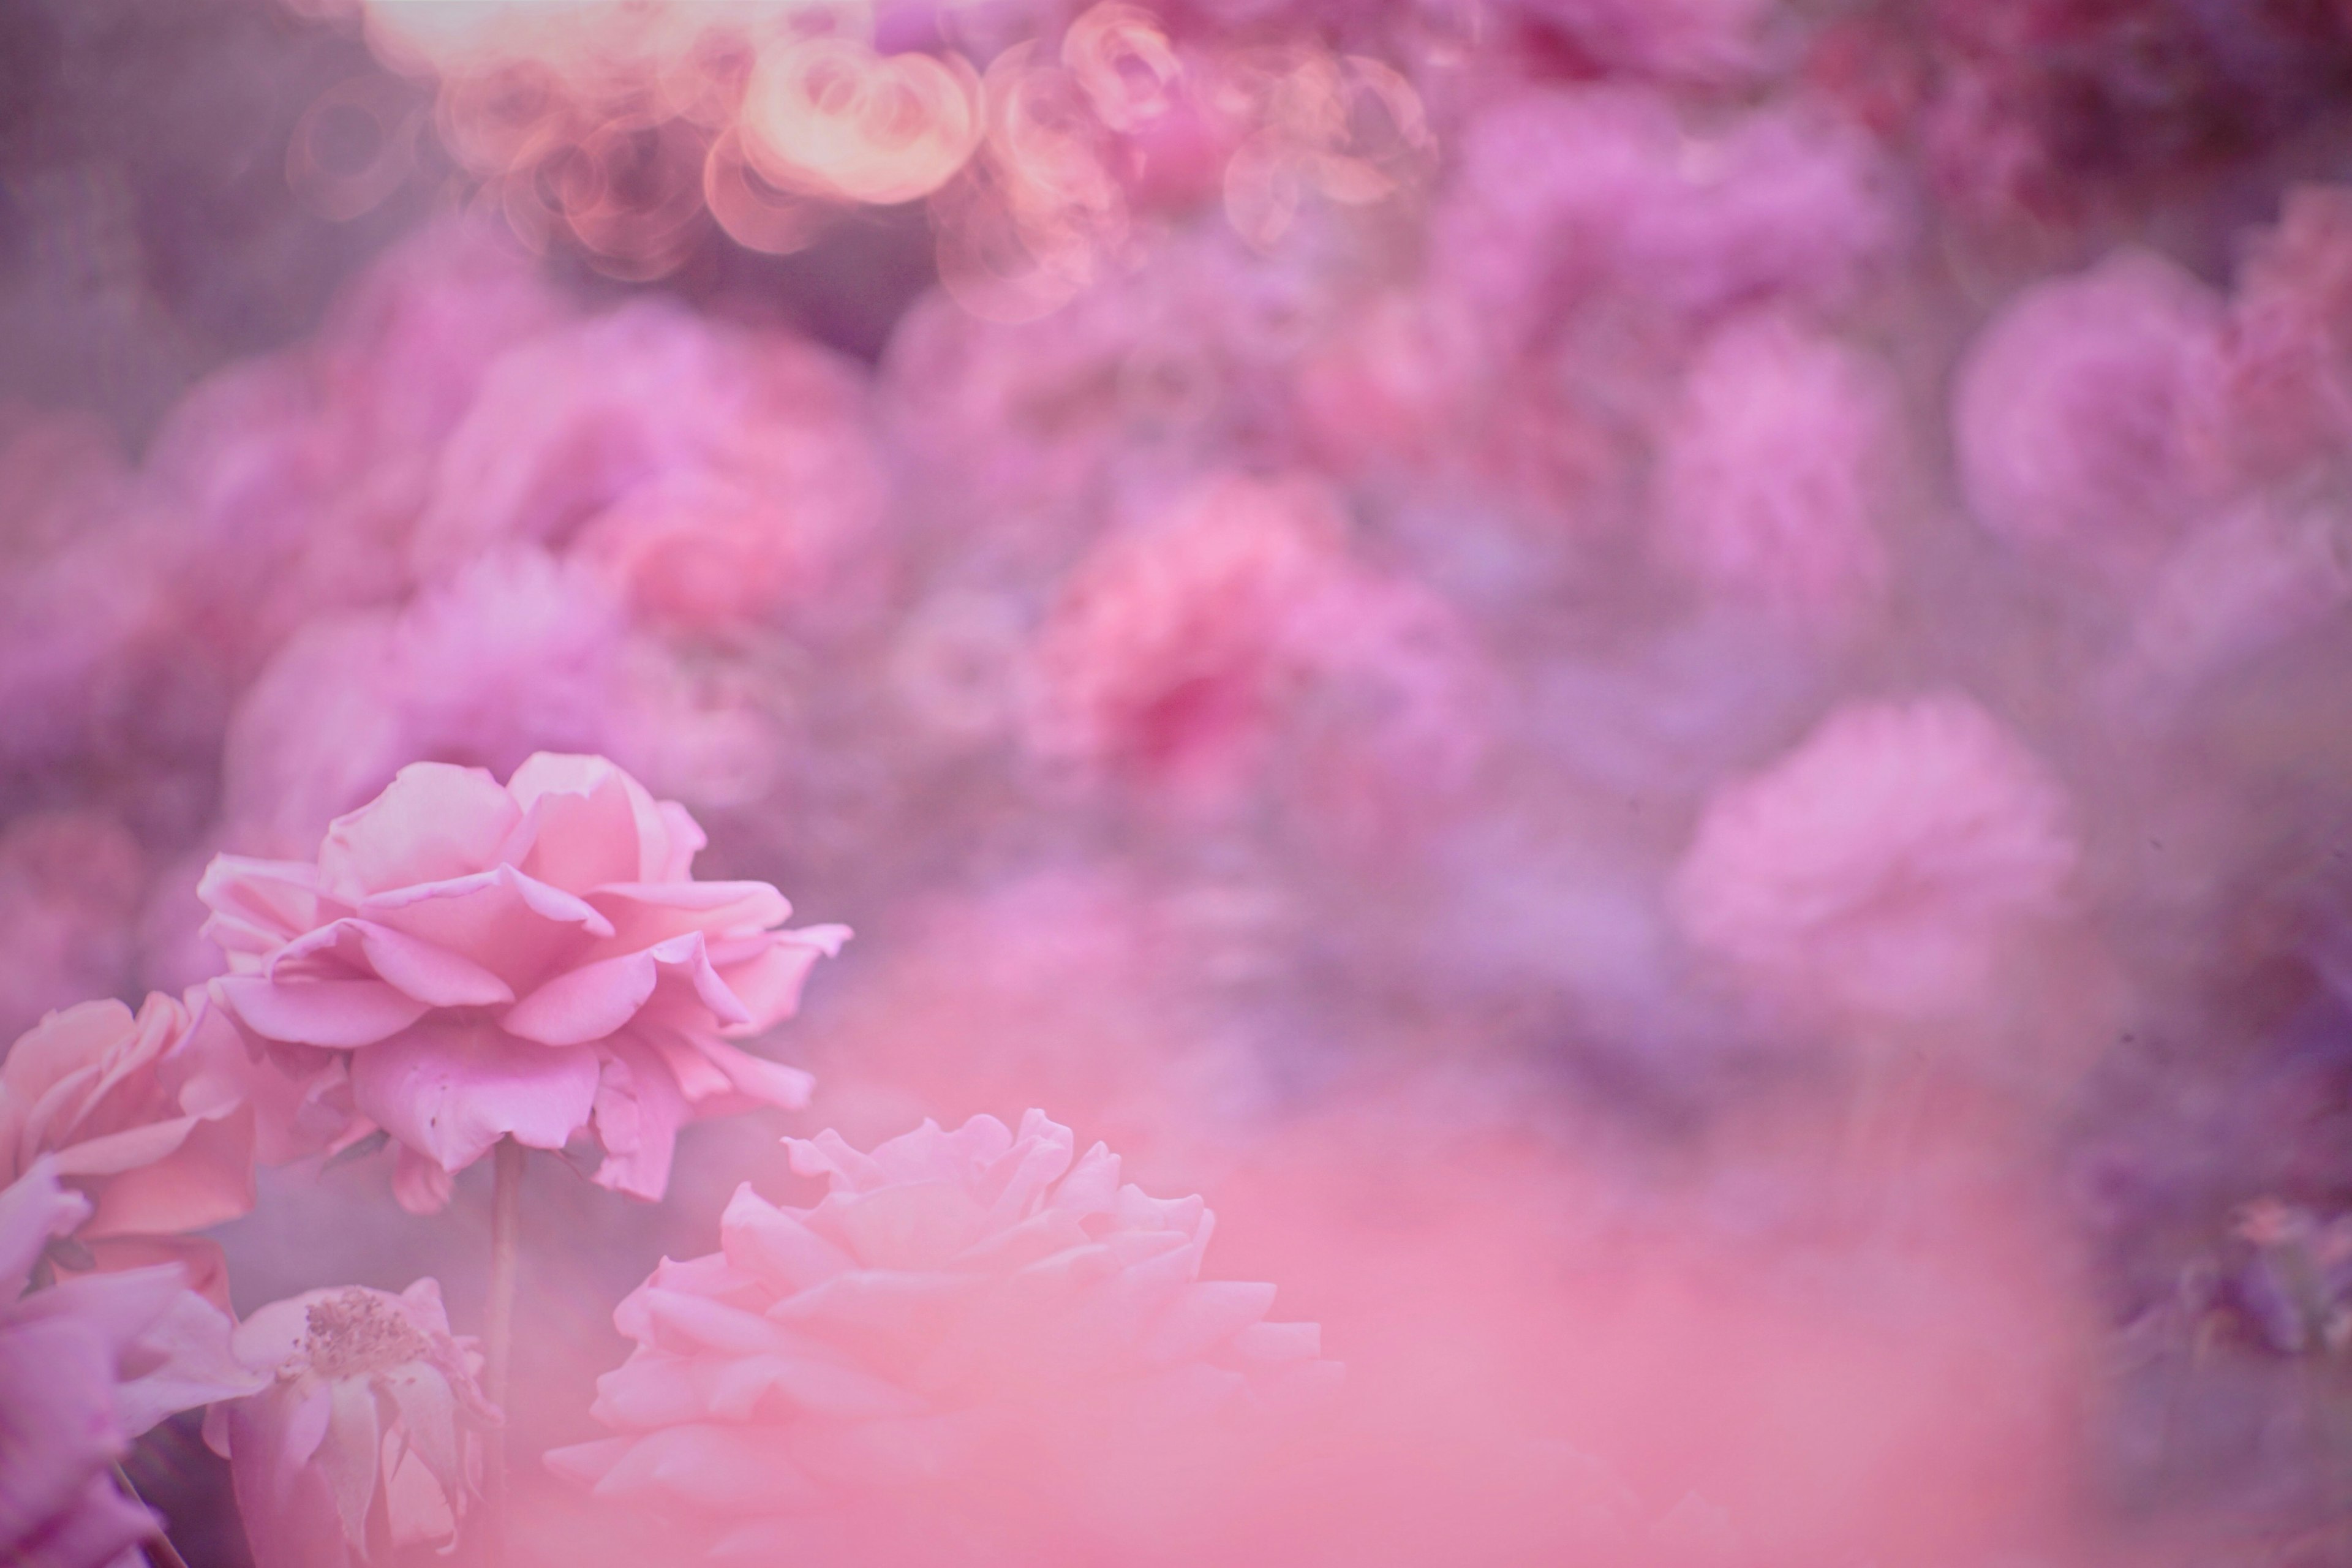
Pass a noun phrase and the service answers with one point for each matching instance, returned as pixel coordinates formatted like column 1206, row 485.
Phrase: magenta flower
column 365, row 1431
column 84, row 1367
column 136, row 1112
column 968, row 1323
column 1884, row 868
column 532, row 960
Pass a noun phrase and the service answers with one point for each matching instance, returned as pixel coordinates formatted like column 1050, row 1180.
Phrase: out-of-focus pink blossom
column 516, row 653
column 365, row 1431
column 718, row 475
column 1179, row 649
column 69, row 891
column 137, row 1112
column 2250, row 579
column 1773, row 472
column 84, row 1367
column 532, row 960
column 84, row 593
column 1885, row 868
column 2288, row 355
column 1036, row 431
column 294, row 482
column 2082, row 414
column 959, row 1347
column 1784, row 203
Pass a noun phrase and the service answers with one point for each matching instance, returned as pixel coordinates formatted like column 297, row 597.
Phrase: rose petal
column 597, row 1000
column 587, row 824
column 511, row 923
column 769, row 982
column 257, row 904
column 434, row 821
column 450, row 1092
column 341, row 1015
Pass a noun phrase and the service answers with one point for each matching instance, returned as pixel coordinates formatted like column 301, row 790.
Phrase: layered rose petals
column 365, row 1431
column 145, row 1115
column 966, row 1327
column 528, row 960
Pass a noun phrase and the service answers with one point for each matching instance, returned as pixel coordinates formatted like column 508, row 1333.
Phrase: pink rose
column 531, row 960
column 365, row 1430
column 136, row 1113
column 974, row 1334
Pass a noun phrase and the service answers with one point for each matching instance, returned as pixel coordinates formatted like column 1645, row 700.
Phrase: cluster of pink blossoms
column 1611, row 573
column 466, row 963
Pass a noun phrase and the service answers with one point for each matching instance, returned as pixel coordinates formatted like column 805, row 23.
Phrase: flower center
column 356, row 1333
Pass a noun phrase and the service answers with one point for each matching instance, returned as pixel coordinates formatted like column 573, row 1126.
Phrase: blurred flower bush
column 1660, row 688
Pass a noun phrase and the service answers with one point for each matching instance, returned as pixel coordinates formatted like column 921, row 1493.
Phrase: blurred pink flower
column 84, row 1367
column 1885, row 867
column 516, row 653
column 533, row 959
column 70, row 885
column 1031, row 433
column 1179, row 649
column 2083, row 413
column 1773, row 471
column 2288, row 354
column 717, row 475
column 1564, row 196
column 141, row 1114
column 85, row 591
column 297, row 481
column 2252, row 578
column 364, row 1434
column 967, row 1330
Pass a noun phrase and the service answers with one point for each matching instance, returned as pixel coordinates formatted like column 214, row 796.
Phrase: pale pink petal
column 769, row 985
column 433, row 822
column 33, row 1208
column 432, row 974
column 758, row 1080
column 513, row 925
column 642, row 914
column 257, row 904
column 339, row 1014
column 450, row 1092
column 589, row 825
column 638, row 1112
column 64, row 1042
column 597, row 1000
column 206, row 1178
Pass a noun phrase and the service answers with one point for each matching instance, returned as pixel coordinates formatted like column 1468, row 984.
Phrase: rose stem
column 506, row 1212
column 158, row 1546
